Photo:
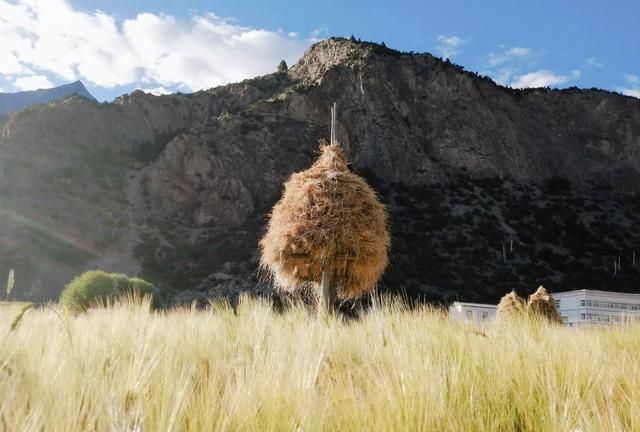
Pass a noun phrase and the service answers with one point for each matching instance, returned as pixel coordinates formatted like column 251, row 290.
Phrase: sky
column 117, row 46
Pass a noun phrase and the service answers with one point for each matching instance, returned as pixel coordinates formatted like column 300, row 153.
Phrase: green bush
column 97, row 287
column 141, row 287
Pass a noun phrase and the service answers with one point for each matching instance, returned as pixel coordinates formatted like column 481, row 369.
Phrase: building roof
column 475, row 305
column 596, row 292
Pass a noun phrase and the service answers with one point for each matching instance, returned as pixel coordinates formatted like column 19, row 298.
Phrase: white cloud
column 506, row 64
column 497, row 59
column 519, row 52
column 632, row 79
column 449, row 46
column 318, row 33
column 631, row 92
column 633, row 82
column 591, row 61
column 204, row 51
column 503, row 76
column 541, row 78
column 510, row 67
column 33, row 82
column 157, row 91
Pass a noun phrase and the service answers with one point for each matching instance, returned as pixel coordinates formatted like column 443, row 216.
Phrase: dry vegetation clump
column 330, row 218
column 510, row 306
column 541, row 305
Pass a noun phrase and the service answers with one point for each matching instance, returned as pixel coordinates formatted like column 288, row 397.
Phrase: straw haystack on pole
column 511, row 306
column 328, row 230
column 542, row 305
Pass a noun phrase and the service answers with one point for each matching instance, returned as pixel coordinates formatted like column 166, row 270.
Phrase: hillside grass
column 125, row 368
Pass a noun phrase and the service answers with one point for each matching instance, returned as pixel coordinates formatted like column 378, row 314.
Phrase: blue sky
column 159, row 46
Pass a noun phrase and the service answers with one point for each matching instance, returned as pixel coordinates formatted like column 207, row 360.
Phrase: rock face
column 17, row 101
column 488, row 188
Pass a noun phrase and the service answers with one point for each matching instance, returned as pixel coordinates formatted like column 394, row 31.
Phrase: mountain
column 10, row 102
column 488, row 188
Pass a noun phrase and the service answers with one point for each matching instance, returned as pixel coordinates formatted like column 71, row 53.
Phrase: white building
column 588, row 307
column 577, row 308
column 478, row 312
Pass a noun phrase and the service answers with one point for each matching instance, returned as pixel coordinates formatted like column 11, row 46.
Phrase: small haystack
column 328, row 220
column 510, row 306
column 541, row 305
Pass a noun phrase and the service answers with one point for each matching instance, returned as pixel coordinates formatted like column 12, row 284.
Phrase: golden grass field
column 124, row 368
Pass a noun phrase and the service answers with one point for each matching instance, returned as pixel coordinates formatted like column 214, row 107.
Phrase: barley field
column 123, row 368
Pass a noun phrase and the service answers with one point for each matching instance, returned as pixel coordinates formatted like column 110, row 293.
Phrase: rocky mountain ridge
column 10, row 102
column 177, row 187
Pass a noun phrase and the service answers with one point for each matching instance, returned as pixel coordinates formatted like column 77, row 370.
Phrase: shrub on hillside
column 96, row 287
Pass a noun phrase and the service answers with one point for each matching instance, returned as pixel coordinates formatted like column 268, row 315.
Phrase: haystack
column 328, row 220
column 510, row 306
column 542, row 305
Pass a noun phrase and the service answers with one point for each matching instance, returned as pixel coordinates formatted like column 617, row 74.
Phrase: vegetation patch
column 251, row 368
column 97, row 288
column 477, row 239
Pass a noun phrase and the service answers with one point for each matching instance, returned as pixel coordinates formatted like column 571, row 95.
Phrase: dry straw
column 541, row 305
column 510, row 306
column 327, row 219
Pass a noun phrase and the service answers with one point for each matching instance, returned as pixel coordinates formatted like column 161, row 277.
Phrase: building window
column 599, row 318
column 485, row 315
column 608, row 305
column 470, row 314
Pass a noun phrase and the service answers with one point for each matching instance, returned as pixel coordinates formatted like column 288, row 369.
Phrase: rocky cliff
column 488, row 188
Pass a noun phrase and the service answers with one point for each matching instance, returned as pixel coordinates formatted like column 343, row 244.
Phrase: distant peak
column 10, row 102
column 75, row 84
column 79, row 88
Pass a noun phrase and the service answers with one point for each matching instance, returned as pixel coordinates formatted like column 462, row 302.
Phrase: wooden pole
column 333, row 124
column 327, row 294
